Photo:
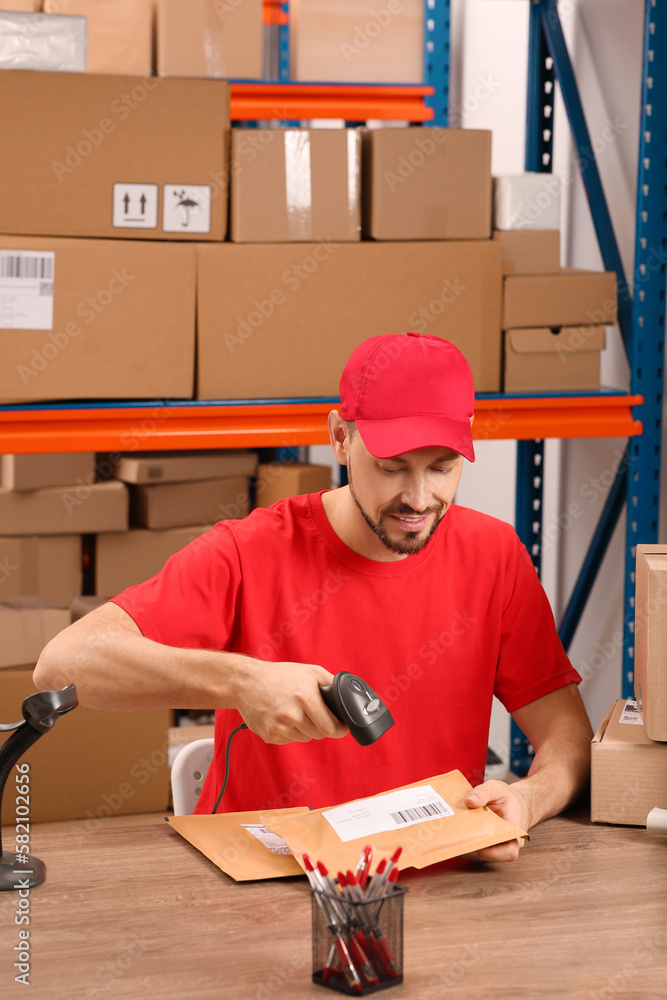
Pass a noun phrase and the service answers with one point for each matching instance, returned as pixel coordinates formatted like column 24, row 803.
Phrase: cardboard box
column 529, row 251
column 136, row 555
column 628, row 771
column 277, row 480
column 26, row 625
column 106, row 319
column 33, row 472
column 526, row 201
column 120, row 33
column 175, row 505
column 281, row 320
column 571, row 298
column 426, row 184
column 651, row 638
column 295, row 185
column 65, row 510
column 564, row 358
column 130, row 157
column 92, row 764
column 357, row 41
column 48, row 43
column 183, row 466
column 49, row 566
column 210, row 39
column 84, row 604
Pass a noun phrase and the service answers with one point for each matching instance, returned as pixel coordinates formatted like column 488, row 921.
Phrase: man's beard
column 411, row 542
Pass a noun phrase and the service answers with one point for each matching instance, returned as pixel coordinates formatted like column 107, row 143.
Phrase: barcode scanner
column 353, row 702
column 356, row 704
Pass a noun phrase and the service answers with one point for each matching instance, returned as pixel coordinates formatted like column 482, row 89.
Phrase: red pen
column 375, row 879
column 383, row 870
column 379, row 888
column 364, row 865
column 356, row 937
column 318, row 883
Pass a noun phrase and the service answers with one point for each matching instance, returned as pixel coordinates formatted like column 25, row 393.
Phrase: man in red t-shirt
column 435, row 606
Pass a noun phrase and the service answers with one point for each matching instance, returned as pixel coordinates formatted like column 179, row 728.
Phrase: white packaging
column 526, row 201
column 48, row 42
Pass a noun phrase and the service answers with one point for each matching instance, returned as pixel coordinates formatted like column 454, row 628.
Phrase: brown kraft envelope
column 423, row 844
column 239, row 854
column 236, row 852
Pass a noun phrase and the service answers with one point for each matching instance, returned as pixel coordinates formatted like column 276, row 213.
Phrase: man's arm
column 114, row 666
column 559, row 730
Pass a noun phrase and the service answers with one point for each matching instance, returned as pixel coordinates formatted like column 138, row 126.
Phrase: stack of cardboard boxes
column 46, row 503
column 192, row 38
column 553, row 318
column 629, row 757
column 174, row 497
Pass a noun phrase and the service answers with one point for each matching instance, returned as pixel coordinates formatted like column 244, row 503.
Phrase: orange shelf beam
column 352, row 102
column 273, row 12
column 158, row 427
column 530, row 418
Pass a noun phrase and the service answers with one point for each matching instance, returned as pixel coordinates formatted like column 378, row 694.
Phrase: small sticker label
column 26, row 289
column 135, row 206
column 392, row 811
column 631, row 713
column 186, row 208
column 274, row 843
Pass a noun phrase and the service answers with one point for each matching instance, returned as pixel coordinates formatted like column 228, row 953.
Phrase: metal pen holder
column 358, row 944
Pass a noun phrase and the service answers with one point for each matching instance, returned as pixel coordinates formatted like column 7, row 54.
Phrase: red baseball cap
column 407, row 391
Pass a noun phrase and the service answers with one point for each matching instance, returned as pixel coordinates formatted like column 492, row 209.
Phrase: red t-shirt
column 435, row 634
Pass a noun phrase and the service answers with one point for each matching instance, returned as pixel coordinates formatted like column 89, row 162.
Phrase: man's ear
column 338, row 436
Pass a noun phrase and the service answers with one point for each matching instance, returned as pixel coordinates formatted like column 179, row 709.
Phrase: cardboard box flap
column 543, row 340
column 602, row 728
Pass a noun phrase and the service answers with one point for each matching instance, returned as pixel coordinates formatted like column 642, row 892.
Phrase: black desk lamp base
column 17, row 875
column 40, row 711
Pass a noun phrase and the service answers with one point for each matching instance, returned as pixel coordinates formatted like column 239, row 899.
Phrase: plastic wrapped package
column 50, row 42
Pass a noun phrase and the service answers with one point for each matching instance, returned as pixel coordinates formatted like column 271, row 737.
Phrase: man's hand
column 281, row 702
column 504, row 800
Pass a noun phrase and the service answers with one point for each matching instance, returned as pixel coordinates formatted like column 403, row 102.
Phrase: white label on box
column 26, row 289
column 631, row 713
column 186, row 208
column 135, row 206
column 274, row 843
column 392, row 811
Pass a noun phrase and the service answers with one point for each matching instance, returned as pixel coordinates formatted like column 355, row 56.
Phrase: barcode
column 14, row 266
column 418, row 812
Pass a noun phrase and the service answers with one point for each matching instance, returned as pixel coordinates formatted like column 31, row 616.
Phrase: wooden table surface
column 137, row 912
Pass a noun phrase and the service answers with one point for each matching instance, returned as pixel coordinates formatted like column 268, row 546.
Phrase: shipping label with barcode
column 26, row 289
column 274, row 843
column 392, row 811
column 630, row 713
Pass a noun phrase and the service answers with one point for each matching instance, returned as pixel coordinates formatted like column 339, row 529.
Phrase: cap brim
column 388, row 438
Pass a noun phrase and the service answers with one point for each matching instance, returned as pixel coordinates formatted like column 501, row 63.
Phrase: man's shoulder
column 475, row 528
column 467, row 519
column 282, row 520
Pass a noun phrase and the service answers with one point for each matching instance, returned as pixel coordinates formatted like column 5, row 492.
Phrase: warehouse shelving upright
column 637, row 415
